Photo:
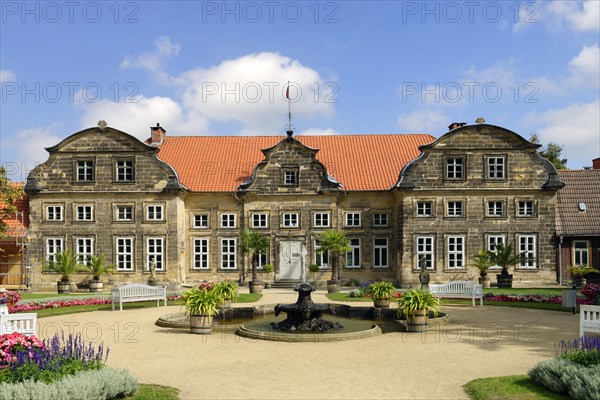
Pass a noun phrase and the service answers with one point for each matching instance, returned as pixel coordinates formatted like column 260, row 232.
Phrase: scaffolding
column 21, row 278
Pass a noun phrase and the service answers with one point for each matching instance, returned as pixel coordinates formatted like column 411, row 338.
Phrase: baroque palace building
column 181, row 202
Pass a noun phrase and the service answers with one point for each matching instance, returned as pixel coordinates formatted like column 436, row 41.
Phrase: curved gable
column 98, row 140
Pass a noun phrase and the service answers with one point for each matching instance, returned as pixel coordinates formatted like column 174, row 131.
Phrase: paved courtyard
column 479, row 342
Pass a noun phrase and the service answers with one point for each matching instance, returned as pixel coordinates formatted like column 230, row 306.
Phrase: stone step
column 285, row 283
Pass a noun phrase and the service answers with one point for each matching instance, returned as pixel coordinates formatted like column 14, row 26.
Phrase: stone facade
column 115, row 196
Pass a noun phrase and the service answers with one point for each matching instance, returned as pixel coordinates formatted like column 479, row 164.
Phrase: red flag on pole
column 287, row 92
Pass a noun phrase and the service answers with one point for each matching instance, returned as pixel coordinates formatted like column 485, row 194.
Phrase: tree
column 255, row 244
column 9, row 194
column 336, row 243
column 552, row 152
column 504, row 257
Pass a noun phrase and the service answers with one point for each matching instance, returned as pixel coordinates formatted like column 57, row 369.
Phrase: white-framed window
column 581, row 255
column 155, row 251
column 54, row 246
column 200, row 253
column 200, row 221
column 425, row 247
column 84, row 248
column 84, row 213
column 455, row 168
column 155, row 212
column 493, row 241
column 353, row 256
column 124, row 212
column 455, row 249
column 321, row 259
column 526, row 208
column 424, row 208
column 263, row 259
column 227, row 220
column 496, row 168
column 380, row 220
column 124, row 171
column 352, row 219
column 380, row 253
column 85, row 171
column 54, row 213
column 321, row 219
column 527, row 246
column 495, row 209
column 124, row 253
column 290, row 177
column 260, row 220
column 455, row 208
column 290, row 220
column 228, row 253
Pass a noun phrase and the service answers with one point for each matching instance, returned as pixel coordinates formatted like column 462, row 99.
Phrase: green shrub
column 356, row 293
column 565, row 376
column 103, row 384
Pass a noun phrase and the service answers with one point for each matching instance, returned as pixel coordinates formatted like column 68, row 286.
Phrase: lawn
column 515, row 387
column 155, row 392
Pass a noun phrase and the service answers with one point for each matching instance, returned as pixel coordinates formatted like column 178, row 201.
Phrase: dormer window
column 290, row 177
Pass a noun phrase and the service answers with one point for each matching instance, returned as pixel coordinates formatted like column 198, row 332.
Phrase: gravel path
column 479, row 342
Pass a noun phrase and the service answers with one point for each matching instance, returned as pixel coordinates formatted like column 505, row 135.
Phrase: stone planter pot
column 504, row 281
column 485, row 281
column 256, row 286
column 63, row 287
column 333, row 286
column 201, row 324
column 385, row 303
column 268, row 285
column 417, row 322
column 96, row 286
column 226, row 303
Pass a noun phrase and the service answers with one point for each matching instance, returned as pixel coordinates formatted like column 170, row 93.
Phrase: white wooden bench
column 138, row 292
column 458, row 290
column 25, row 324
column 589, row 319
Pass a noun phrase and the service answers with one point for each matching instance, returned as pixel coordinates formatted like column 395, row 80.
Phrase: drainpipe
column 560, row 271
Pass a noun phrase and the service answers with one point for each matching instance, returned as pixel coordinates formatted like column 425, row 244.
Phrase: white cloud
column 7, row 76
column 576, row 127
column 28, row 146
column 137, row 118
column 424, row 120
column 585, row 67
column 155, row 61
column 319, row 132
column 579, row 16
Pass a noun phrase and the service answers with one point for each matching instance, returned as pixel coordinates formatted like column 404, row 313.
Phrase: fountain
column 304, row 315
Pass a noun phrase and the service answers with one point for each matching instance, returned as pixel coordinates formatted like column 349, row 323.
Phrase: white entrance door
column 290, row 260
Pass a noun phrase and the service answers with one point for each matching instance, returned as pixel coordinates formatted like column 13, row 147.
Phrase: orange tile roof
column 359, row 162
column 15, row 227
column 581, row 186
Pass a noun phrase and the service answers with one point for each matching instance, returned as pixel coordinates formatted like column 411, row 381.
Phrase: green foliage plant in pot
column 97, row 267
column 201, row 304
column 381, row 292
column 227, row 290
column 578, row 272
column 335, row 243
column 66, row 264
column 504, row 257
column 268, row 269
column 481, row 261
column 254, row 244
column 415, row 305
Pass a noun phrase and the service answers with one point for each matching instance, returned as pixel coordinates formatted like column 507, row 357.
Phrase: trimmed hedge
column 103, row 384
column 565, row 376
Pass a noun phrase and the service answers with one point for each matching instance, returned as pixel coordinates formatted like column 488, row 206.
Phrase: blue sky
column 221, row 68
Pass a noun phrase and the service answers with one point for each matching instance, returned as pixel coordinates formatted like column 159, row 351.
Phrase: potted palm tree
column 503, row 257
column 335, row 243
column 481, row 261
column 578, row 272
column 201, row 304
column 65, row 263
column 255, row 244
column 96, row 266
column 381, row 292
column 228, row 290
column 268, row 269
column 416, row 305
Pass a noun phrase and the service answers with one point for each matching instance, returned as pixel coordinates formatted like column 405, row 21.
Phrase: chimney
column 596, row 163
column 157, row 135
column 455, row 125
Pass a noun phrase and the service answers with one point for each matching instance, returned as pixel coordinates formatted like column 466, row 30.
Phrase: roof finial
column 102, row 124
